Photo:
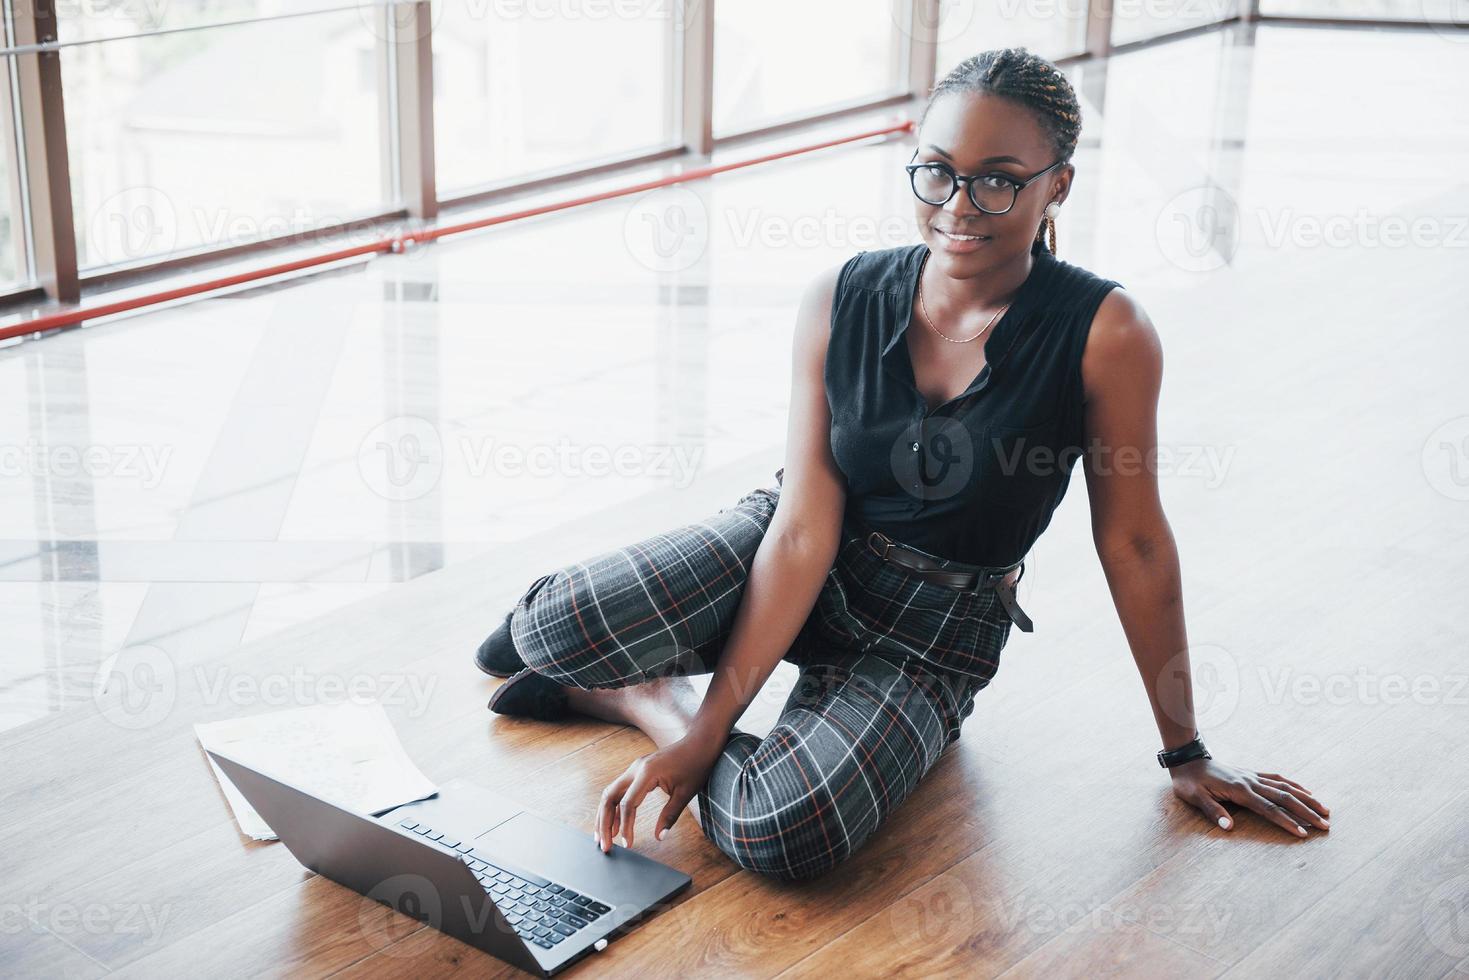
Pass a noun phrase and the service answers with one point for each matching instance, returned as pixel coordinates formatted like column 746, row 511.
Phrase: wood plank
column 1223, row 898
column 1406, row 911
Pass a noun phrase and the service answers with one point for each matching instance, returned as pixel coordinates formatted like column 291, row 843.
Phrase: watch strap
column 1188, row 752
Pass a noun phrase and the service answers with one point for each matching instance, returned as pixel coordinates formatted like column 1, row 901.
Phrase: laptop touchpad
column 564, row 855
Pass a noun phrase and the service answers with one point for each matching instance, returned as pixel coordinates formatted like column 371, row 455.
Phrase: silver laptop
column 471, row 863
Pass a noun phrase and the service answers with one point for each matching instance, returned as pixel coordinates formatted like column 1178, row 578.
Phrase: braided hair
column 1025, row 78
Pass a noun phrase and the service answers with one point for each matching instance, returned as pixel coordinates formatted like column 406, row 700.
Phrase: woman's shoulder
column 1107, row 302
column 1075, row 296
column 1121, row 338
column 1074, row 276
column 881, row 269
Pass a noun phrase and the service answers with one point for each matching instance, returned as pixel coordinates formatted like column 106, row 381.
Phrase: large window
column 93, row 20
column 1138, row 20
column 209, row 137
column 1449, row 11
column 198, row 125
column 528, row 86
column 775, row 60
column 13, row 237
column 1052, row 28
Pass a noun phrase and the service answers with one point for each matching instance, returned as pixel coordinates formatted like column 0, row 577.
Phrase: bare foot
column 662, row 709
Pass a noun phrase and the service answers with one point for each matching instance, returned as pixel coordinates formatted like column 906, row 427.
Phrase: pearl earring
column 1048, row 226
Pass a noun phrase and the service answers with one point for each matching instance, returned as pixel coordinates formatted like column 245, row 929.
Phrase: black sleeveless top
column 976, row 479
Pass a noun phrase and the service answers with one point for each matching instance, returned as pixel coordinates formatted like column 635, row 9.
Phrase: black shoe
column 497, row 656
column 530, row 695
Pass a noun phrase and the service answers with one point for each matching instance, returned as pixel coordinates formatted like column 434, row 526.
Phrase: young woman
column 941, row 394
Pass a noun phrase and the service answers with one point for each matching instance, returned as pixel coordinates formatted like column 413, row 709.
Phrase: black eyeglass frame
column 967, row 182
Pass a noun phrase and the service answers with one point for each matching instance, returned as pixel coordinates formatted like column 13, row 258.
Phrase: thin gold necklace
column 929, row 320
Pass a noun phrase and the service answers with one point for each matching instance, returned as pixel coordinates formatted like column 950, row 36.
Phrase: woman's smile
column 957, row 243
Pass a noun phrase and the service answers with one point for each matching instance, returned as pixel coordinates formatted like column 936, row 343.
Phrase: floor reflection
column 207, row 474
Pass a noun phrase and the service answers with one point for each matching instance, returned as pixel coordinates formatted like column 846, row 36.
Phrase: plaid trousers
column 889, row 665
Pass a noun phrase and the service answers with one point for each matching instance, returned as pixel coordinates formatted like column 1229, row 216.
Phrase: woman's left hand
column 1204, row 783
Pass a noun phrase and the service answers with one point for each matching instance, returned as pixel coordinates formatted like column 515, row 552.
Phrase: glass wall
column 205, row 138
column 195, row 125
column 92, row 20
column 14, row 238
column 1053, row 28
column 1138, row 20
column 520, row 87
column 775, row 60
column 1448, row 11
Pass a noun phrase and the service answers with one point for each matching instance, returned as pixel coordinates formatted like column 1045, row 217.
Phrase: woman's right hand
column 680, row 769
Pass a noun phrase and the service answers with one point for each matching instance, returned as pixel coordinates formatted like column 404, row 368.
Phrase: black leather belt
column 955, row 575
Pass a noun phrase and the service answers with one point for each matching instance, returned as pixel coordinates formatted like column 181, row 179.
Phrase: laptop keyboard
column 541, row 911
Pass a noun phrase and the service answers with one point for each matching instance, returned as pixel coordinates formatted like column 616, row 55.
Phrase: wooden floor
column 1325, row 580
column 1325, row 576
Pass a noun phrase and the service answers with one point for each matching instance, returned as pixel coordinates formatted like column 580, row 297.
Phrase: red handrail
column 398, row 242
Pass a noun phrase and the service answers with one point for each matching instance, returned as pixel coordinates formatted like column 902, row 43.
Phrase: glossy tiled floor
column 202, row 475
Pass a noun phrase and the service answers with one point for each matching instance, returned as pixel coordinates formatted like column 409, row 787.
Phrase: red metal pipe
column 398, row 242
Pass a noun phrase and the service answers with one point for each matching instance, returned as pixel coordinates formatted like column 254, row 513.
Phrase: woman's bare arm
column 1122, row 370
column 798, row 549
column 786, row 575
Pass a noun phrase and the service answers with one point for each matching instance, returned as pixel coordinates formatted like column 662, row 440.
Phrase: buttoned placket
column 897, row 361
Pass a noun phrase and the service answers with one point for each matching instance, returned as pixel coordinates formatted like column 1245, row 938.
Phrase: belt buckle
column 887, row 544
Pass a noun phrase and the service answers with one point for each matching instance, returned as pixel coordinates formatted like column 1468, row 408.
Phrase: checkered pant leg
column 889, row 667
column 664, row 605
column 853, row 740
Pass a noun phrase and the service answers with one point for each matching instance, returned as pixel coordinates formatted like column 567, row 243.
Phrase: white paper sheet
column 347, row 753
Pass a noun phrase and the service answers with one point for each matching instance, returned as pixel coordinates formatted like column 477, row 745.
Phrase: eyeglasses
column 936, row 183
